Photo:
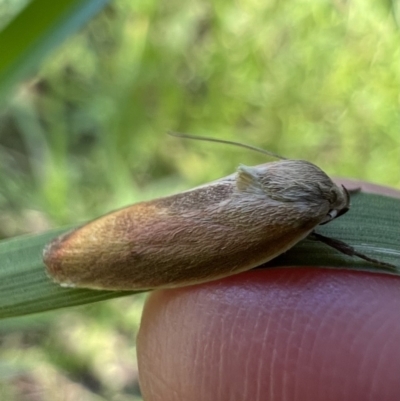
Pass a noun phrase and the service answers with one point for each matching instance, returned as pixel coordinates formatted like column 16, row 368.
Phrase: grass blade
column 37, row 29
column 372, row 227
column 24, row 286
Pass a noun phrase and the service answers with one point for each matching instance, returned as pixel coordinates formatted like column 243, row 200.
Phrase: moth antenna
column 348, row 250
column 242, row 145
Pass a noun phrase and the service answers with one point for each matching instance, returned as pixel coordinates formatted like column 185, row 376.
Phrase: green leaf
column 36, row 30
column 372, row 227
column 24, row 285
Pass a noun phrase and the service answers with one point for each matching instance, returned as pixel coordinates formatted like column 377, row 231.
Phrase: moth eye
column 342, row 211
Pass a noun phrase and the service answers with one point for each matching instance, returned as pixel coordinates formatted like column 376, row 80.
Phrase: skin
column 282, row 334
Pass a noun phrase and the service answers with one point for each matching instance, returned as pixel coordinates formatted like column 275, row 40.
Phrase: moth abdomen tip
column 52, row 255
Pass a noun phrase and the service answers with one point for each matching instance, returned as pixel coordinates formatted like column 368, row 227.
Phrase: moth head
column 340, row 203
column 296, row 183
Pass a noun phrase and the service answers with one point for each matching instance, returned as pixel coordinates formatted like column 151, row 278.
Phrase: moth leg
column 347, row 249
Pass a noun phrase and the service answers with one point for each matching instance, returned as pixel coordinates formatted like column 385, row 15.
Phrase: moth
column 222, row 228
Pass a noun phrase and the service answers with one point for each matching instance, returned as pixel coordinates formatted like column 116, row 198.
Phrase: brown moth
column 222, row 228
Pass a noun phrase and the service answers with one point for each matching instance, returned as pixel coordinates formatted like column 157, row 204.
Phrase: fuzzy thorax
column 297, row 182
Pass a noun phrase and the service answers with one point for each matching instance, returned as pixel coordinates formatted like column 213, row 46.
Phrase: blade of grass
column 24, row 286
column 35, row 31
column 372, row 227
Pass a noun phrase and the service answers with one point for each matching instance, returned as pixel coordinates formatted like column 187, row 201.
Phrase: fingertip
column 368, row 187
column 298, row 334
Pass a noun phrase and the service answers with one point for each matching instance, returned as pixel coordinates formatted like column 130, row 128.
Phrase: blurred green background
column 86, row 133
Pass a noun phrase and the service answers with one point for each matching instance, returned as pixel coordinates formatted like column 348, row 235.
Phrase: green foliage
column 48, row 23
column 310, row 80
column 85, row 133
